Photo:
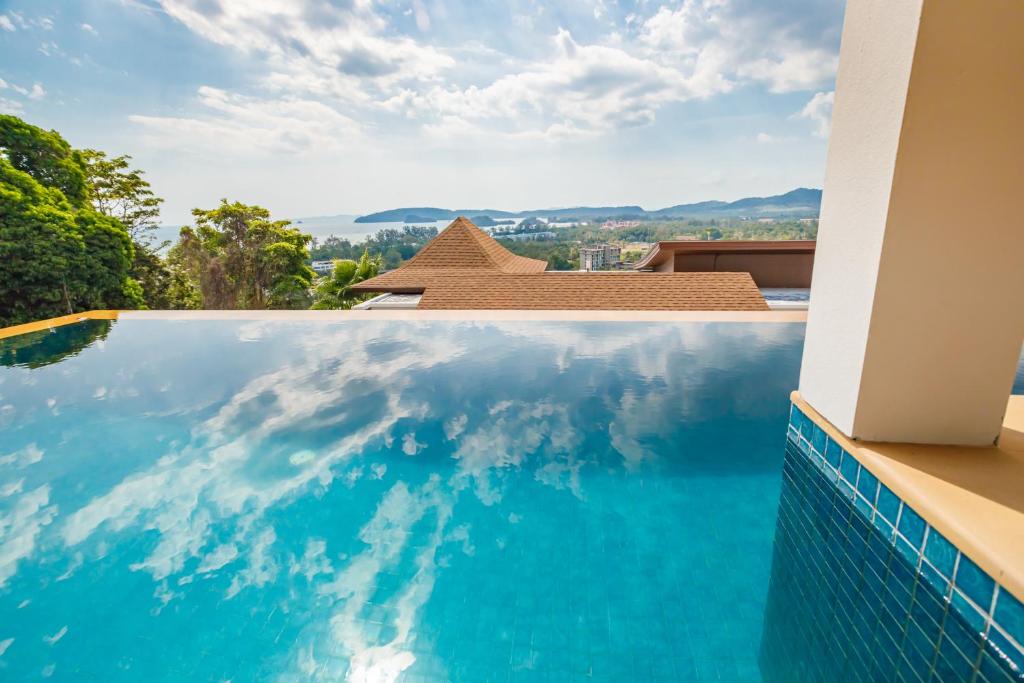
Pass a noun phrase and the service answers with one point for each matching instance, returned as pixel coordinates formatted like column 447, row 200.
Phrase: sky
column 320, row 107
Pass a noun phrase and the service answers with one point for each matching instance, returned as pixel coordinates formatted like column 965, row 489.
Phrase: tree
column 56, row 259
column 45, row 156
column 237, row 258
column 335, row 290
column 120, row 192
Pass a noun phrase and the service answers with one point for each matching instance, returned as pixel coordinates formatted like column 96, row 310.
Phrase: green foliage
column 393, row 246
column 118, row 191
column 56, row 258
column 237, row 258
column 45, row 156
column 334, row 291
column 58, row 254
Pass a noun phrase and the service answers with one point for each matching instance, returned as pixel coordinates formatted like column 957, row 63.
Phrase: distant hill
column 802, row 202
column 424, row 214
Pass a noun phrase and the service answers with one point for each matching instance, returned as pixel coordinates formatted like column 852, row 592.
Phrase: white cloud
column 6, row 23
column 819, row 111
column 410, row 446
column 244, row 124
column 8, row 106
column 20, row 528
column 88, row 28
column 347, row 61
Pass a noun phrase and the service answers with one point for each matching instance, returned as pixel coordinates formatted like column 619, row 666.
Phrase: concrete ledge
column 973, row 496
column 50, row 323
column 474, row 315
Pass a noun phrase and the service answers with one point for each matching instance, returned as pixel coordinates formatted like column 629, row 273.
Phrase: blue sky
column 313, row 107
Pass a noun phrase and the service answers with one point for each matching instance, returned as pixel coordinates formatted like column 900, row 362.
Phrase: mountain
column 428, row 213
column 802, row 202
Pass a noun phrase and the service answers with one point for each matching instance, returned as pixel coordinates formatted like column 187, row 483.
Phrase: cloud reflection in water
column 329, row 476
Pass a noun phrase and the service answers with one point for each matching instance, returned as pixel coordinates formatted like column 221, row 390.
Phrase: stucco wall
column 916, row 319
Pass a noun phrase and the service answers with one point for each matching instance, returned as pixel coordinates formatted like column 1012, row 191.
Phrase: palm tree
column 335, row 290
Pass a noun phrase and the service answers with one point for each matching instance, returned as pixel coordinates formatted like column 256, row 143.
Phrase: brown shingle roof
column 464, row 268
column 462, row 245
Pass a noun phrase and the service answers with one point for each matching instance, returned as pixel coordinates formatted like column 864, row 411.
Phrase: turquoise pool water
column 285, row 501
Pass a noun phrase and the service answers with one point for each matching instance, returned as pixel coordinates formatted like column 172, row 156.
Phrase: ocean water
column 389, row 501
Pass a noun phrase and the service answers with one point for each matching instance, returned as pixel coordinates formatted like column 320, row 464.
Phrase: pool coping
column 971, row 495
column 50, row 323
column 415, row 315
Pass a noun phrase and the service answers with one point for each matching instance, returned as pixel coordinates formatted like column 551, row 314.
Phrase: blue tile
column 975, row 619
column 863, row 507
column 912, row 527
column 867, row 484
column 975, row 583
column 1005, row 648
column 805, row 424
column 848, row 467
column 888, row 503
column 940, row 552
column 909, row 552
column 883, row 526
column 833, row 452
column 961, row 631
column 818, row 439
column 934, row 578
column 1009, row 614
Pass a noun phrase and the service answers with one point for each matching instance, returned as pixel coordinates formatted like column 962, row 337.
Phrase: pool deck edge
column 50, row 323
column 969, row 494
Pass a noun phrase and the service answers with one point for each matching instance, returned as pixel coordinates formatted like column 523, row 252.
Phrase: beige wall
column 768, row 270
column 917, row 316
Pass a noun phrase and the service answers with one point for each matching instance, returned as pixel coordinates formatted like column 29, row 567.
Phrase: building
column 325, row 267
column 599, row 256
column 613, row 224
column 464, row 268
column 776, row 264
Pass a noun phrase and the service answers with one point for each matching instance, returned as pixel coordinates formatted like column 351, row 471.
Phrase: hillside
column 802, row 202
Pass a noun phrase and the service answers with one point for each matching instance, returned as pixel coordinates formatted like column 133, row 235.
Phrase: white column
column 917, row 301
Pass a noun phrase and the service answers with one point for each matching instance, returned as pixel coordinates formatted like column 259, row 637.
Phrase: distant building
column 611, row 225
column 527, row 236
column 599, row 256
column 323, row 267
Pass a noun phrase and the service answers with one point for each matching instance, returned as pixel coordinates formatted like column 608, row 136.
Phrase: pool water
column 377, row 501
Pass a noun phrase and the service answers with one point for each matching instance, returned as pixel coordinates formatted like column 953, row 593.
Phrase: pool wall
column 863, row 588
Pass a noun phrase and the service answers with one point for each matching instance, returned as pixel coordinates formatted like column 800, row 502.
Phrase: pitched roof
column 602, row 291
column 463, row 245
column 464, row 268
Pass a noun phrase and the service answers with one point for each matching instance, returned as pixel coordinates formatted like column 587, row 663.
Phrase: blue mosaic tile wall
column 863, row 589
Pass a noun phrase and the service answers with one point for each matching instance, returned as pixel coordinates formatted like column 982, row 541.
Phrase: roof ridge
column 449, row 249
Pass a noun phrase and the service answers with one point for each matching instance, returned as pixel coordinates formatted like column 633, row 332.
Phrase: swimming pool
column 381, row 500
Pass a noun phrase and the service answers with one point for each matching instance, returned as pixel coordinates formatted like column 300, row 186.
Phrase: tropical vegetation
column 335, row 290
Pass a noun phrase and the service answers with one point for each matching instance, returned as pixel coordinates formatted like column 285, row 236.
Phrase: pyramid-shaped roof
column 463, row 245
column 460, row 249
column 465, row 268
